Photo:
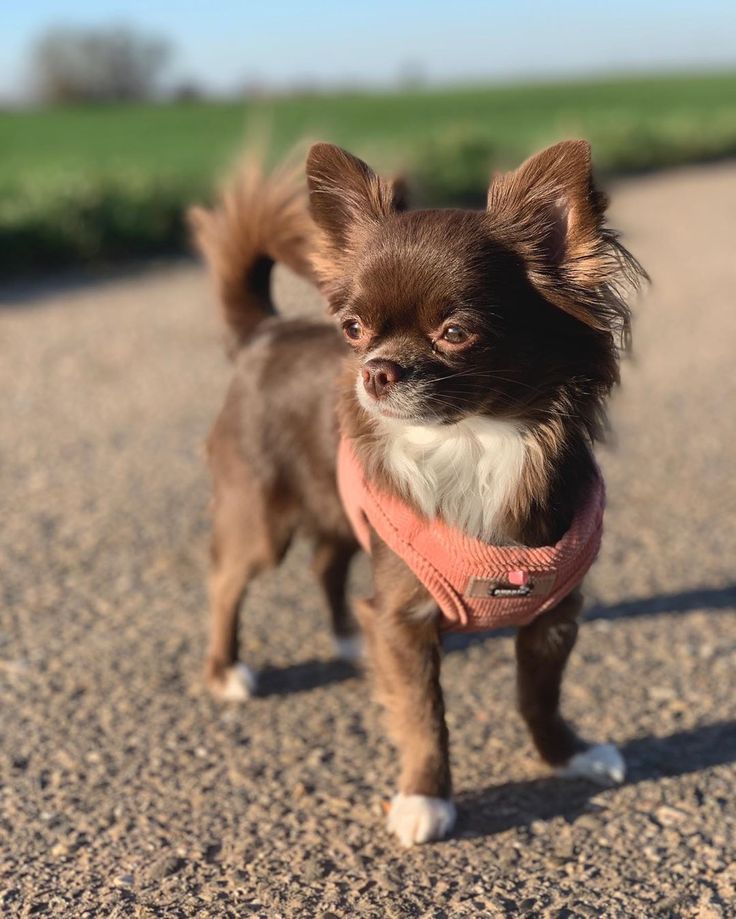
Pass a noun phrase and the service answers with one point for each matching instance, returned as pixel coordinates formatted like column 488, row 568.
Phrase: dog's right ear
column 346, row 196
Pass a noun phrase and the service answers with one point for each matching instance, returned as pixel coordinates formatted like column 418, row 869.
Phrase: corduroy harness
column 477, row 586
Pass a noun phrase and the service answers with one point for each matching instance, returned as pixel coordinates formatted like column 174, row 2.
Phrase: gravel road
column 125, row 790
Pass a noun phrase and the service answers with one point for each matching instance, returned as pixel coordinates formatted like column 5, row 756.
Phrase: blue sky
column 224, row 43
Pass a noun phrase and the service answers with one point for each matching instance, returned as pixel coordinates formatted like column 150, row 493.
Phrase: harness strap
column 477, row 585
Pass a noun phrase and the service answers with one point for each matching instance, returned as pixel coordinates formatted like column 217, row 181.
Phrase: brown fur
column 542, row 242
column 539, row 281
column 256, row 223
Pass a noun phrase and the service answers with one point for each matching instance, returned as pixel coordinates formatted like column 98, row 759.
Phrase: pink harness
column 477, row 586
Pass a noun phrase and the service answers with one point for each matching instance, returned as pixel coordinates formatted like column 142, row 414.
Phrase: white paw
column 349, row 648
column 238, row 684
column 602, row 763
column 418, row 818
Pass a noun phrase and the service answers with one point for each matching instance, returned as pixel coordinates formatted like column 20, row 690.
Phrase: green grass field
column 93, row 185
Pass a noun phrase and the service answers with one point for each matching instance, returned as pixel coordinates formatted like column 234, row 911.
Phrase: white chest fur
column 466, row 473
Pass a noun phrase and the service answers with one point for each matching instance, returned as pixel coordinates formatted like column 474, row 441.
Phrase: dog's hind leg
column 331, row 565
column 542, row 650
column 247, row 538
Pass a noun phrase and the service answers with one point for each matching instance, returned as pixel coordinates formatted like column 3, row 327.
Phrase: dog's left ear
column 551, row 213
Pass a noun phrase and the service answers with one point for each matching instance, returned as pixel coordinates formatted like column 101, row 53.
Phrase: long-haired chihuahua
column 462, row 386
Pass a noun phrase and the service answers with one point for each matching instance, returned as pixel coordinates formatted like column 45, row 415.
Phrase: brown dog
column 484, row 345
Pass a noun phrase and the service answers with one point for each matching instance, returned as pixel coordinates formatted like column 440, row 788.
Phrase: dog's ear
column 345, row 194
column 552, row 197
column 346, row 200
column 401, row 190
column 552, row 214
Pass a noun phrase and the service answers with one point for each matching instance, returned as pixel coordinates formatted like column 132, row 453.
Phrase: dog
column 467, row 367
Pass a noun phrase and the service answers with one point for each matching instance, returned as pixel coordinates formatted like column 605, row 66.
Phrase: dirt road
column 124, row 790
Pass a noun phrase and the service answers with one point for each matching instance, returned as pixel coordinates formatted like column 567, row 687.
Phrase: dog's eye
column 352, row 329
column 455, row 335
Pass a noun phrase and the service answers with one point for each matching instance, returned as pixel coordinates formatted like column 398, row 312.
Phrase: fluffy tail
column 258, row 220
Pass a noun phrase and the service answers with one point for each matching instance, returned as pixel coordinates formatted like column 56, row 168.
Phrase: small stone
column 387, row 882
column 708, row 910
column 508, row 855
column 165, row 867
column 564, row 848
column 312, row 870
column 670, row 816
column 661, row 693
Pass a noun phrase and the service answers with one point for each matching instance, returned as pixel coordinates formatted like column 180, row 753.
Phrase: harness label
column 536, row 584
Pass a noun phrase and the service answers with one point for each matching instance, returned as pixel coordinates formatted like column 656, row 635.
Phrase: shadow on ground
column 31, row 291
column 517, row 804
column 303, row 677
column 682, row 602
column 308, row 675
column 708, row 598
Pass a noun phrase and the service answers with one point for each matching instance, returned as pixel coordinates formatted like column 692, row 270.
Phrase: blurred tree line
column 114, row 64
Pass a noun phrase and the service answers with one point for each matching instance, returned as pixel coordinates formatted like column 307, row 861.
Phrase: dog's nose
column 380, row 375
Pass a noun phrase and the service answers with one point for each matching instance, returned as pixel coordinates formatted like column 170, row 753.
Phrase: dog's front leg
column 404, row 653
column 542, row 650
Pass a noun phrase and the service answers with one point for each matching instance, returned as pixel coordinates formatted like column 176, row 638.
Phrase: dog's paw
column 235, row 684
column 601, row 763
column 349, row 647
column 418, row 818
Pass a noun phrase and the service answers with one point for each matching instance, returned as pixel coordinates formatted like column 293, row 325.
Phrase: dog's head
column 511, row 311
